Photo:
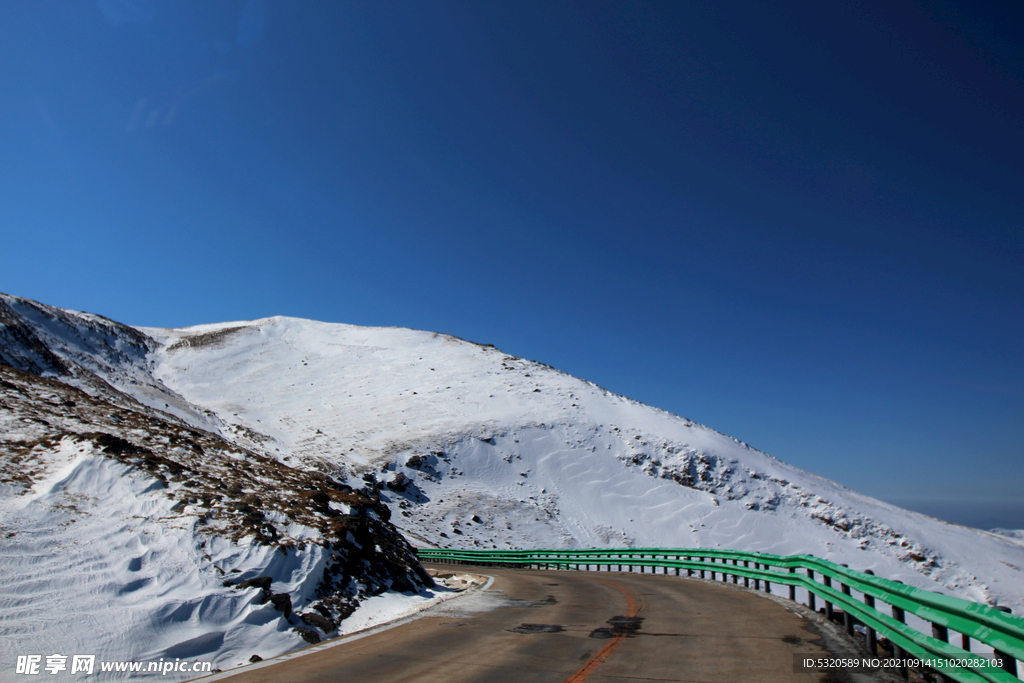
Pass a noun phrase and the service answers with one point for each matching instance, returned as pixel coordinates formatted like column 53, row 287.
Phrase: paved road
column 567, row 627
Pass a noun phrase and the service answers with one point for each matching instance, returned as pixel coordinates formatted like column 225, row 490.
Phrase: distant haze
column 978, row 514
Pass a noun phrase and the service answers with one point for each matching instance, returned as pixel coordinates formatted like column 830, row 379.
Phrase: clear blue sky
column 800, row 223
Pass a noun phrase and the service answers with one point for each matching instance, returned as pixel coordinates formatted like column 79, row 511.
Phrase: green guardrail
column 832, row 583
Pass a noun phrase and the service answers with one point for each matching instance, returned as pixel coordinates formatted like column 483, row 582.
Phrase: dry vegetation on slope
column 218, row 488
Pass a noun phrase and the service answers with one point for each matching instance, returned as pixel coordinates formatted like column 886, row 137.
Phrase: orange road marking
column 606, row 651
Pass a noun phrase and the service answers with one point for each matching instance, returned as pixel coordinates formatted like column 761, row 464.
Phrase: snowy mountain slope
column 450, row 430
column 471, row 447
column 104, row 358
column 1015, row 534
column 124, row 536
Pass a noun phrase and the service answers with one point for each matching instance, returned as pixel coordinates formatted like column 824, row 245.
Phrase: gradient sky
column 799, row 223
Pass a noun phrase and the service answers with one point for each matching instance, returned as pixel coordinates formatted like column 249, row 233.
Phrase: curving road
column 570, row 627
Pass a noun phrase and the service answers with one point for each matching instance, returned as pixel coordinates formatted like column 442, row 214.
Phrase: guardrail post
column 940, row 632
column 767, row 583
column 701, row 559
column 898, row 652
column 792, row 588
column 872, row 637
column 811, row 598
column 1009, row 663
column 735, row 576
column 829, row 612
column 848, row 620
column 746, row 579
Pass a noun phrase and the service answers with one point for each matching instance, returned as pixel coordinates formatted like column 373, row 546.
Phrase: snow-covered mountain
column 133, row 534
column 472, row 447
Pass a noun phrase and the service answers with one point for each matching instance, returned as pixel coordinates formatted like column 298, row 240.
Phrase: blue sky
column 799, row 223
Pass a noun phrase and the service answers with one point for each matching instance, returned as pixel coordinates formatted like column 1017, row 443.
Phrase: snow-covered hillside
column 471, row 447
column 134, row 537
column 476, row 448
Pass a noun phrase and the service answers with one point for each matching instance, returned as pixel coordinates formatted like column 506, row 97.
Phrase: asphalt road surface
column 570, row 627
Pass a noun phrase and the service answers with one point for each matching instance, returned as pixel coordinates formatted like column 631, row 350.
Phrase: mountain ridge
column 468, row 446
column 131, row 533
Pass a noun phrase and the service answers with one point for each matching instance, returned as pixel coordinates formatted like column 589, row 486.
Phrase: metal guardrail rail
column 821, row 579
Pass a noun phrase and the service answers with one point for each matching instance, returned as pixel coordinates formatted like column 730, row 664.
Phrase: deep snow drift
column 471, row 447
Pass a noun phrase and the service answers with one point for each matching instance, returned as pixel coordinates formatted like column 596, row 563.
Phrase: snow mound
column 136, row 540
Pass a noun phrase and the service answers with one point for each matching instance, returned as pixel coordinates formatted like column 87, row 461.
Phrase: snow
column 129, row 583
column 1015, row 534
column 545, row 459
column 470, row 447
column 133, row 583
